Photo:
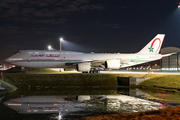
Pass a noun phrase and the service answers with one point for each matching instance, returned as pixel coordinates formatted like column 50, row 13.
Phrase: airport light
column 49, row 47
column 179, row 5
column 61, row 39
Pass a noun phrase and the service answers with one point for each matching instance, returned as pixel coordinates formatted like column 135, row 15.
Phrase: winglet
column 154, row 46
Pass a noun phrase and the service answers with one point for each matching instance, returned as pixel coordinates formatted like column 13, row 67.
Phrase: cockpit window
column 18, row 52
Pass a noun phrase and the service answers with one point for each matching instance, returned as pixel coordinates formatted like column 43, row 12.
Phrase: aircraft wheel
column 85, row 71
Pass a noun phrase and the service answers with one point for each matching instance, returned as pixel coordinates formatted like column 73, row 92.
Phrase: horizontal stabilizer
column 165, row 55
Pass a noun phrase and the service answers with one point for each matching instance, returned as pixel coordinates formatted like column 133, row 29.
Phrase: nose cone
column 7, row 60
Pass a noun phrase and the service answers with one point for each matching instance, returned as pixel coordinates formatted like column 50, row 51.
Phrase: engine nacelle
column 112, row 64
column 83, row 67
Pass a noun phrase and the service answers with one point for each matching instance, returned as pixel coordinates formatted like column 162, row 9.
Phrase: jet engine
column 112, row 64
column 83, row 67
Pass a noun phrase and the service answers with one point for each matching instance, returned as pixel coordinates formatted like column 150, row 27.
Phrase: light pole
column 61, row 39
column 49, row 47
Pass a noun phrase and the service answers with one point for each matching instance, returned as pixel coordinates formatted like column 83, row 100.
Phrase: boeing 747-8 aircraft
column 85, row 61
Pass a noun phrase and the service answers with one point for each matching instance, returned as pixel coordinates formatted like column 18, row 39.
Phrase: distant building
column 170, row 63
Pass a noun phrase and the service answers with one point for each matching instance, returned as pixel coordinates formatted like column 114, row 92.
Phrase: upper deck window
column 36, row 52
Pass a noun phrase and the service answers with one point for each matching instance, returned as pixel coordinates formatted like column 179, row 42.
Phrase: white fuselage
column 57, row 59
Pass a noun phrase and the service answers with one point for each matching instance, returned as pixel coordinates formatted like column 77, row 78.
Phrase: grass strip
column 163, row 82
column 63, row 79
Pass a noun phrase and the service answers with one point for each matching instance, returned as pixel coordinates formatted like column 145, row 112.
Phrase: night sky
column 124, row 26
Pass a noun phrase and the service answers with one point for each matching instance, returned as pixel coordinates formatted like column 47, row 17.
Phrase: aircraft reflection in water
column 67, row 105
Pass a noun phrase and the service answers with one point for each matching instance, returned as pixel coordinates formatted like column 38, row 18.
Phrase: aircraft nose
column 7, row 60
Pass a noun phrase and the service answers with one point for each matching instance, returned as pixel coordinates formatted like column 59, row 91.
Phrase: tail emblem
column 152, row 44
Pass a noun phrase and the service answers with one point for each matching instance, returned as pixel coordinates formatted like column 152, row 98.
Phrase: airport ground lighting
column 179, row 5
column 61, row 39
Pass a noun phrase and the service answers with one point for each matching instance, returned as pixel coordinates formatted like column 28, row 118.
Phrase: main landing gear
column 84, row 71
column 94, row 70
